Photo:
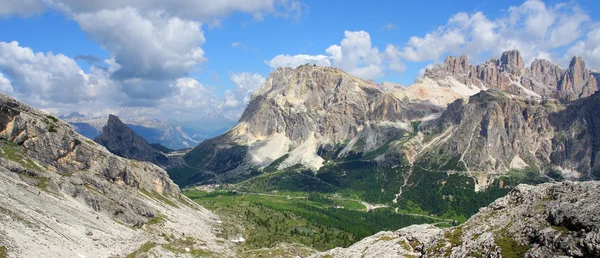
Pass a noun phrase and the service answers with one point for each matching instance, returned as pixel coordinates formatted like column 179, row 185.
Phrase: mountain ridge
column 62, row 194
column 300, row 112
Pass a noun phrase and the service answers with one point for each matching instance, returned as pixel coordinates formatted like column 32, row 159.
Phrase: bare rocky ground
column 548, row 220
column 62, row 195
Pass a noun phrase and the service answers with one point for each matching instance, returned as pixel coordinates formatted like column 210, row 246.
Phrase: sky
column 188, row 60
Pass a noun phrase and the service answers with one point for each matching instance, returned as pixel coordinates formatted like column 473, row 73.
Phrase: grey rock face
column 492, row 133
column 542, row 79
column 119, row 139
column 576, row 146
column 548, row 220
column 304, row 109
column 52, row 145
column 326, row 101
column 62, row 194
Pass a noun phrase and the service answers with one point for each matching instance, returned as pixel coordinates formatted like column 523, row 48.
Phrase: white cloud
column 23, row 8
column 57, row 78
column 201, row 10
column 237, row 44
column 293, row 61
column 355, row 55
column 5, row 85
column 152, row 47
column 533, row 28
column 588, row 48
column 246, row 84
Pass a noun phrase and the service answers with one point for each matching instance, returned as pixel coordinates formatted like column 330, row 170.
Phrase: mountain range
column 173, row 135
column 455, row 141
column 513, row 121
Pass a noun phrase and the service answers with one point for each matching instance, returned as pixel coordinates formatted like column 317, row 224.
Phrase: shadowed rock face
column 119, row 139
column 495, row 131
column 547, row 220
column 542, row 79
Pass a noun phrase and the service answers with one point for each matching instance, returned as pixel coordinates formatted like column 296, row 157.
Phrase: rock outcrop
column 542, row 79
column 63, row 194
column 548, row 220
column 119, row 139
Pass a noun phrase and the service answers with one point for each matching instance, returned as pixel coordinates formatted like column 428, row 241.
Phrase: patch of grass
column 54, row 119
column 509, row 246
column 12, row 152
column 145, row 248
column 385, row 238
column 43, row 183
column 273, row 166
column 180, row 244
column 455, row 236
column 155, row 220
column 159, row 197
column 52, row 129
column 561, row 229
column 3, row 252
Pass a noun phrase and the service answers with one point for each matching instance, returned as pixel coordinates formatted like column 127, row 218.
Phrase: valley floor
column 290, row 223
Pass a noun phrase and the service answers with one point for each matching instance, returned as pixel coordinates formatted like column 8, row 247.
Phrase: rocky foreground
column 62, row 195
column 548, row 220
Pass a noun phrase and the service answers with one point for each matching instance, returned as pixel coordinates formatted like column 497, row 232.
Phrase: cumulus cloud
column 246, row 84
column 5, row 85
column 532, row 27
column 24, row 8
column 56, row 78
column 293, row 61
column 355, row 54
column 202, row 10
column 588, row 48
column 152, row 47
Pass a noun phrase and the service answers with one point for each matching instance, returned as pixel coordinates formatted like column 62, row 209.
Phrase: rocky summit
column 542, row 79
column 548, row 220
column 301, row 110
column 119, row 139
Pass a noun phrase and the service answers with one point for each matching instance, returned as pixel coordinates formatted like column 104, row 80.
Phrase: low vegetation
column 145, row 248
column 315, row 220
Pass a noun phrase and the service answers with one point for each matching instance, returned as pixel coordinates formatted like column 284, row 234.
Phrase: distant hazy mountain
column 171, row 134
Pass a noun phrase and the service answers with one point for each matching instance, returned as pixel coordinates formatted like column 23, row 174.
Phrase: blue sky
column 190, row 59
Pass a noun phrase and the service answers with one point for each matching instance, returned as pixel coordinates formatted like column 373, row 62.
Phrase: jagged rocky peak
column 541, row 80
column 577, row 82
column 512, row 62
column 457, row 65
column 119, row 139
